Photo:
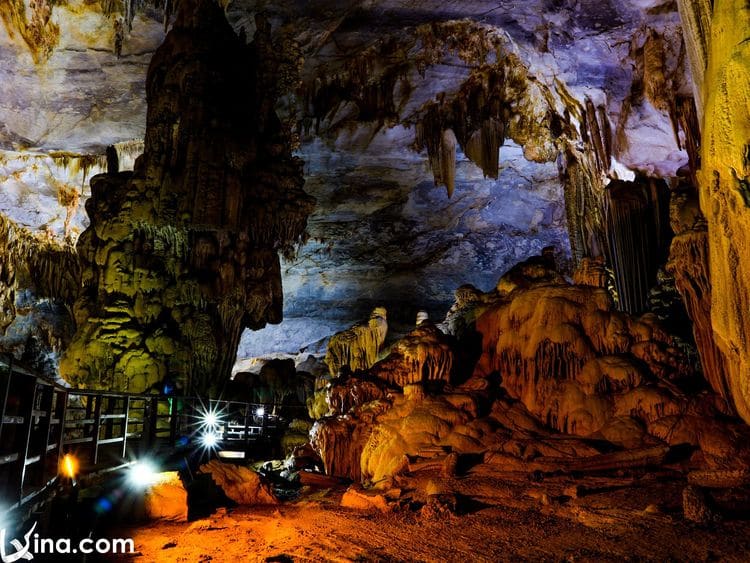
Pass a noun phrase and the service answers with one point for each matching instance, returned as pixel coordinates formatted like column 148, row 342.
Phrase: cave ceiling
column 364, row 87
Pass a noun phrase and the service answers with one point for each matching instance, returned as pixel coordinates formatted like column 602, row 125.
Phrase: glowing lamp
column 209, row 440
column 260, row 411
column 210, row 419
column 142, row 474
column 69, row 466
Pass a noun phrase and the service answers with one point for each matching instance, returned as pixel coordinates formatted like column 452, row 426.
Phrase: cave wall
column 182, row 254
column 62, row 87
column 725, row 188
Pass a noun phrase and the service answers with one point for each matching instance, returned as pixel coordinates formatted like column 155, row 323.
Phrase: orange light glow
column 69, row 466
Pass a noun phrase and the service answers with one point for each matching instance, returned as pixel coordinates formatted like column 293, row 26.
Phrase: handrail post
column 125, row 425
column 97, row 427
column 63, row 414
column 109, row 423
column 48, row 397
column 246, row 429
column 26, row 431
column 5, row 399
column 149, row 421
column 173, row 418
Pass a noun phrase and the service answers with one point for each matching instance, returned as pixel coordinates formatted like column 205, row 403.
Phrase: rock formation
column 556, row 359
column 689, row 264
column 166, row 498
column 242, row 485
column 39, row 279
column 182, row 254
column 424, row 357
column 638, row 238
column 575, row 362
column 357, row 348
column 725, row 185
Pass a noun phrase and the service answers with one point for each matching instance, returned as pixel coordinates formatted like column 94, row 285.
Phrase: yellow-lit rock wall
column 725, row 188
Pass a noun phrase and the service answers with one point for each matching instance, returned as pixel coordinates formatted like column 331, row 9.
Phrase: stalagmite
column 339, row 442
column 593, row 272
column 573, row 360
column 351, row 393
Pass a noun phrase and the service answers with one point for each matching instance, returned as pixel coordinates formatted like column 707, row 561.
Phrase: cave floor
column 500, row 518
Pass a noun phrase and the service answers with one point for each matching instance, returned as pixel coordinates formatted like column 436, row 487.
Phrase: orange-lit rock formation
column 689, row 265
column 576, row 362
column 422, row 357
column 556, row 359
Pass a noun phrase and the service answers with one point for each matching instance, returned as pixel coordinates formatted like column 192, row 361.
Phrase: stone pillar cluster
column 183, row 253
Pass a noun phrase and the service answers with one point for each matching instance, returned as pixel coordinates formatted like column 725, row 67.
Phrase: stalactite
column 597, row 135
column 51, row 269
column 364, row 83
column 476, row 115
column 696, row 26
column 7, row 274
column 656, row 85
column 584, row 204
column 128, row 151
column 636, row 229
column 687, row 117
column 483, row 146
column 448, row 160
column 357, row 348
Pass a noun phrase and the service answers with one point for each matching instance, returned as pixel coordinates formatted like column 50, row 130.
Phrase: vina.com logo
column 61, row 546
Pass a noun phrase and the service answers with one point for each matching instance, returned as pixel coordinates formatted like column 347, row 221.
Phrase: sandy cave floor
column 499, row 519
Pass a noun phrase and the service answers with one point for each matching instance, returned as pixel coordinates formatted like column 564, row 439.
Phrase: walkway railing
column 41, row 421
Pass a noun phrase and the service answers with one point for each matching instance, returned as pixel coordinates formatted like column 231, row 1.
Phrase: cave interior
column 477, row 272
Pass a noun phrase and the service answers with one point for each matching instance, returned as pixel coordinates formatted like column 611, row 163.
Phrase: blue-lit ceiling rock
column 399, row 97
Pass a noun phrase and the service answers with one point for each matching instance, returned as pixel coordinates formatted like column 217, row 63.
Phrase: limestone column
column 725, row 189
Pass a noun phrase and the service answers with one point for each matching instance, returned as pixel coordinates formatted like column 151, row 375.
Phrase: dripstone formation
column 182, row 254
